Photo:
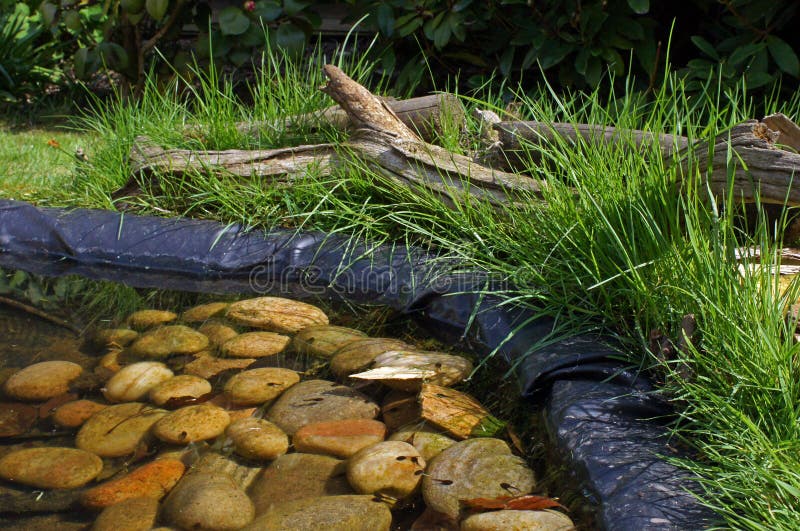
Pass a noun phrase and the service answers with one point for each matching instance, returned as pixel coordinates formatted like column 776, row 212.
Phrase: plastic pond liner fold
column 602, row 418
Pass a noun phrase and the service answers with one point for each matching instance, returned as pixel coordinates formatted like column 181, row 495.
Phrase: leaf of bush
column 783, row 54
column 385, row 16
column 268, row 10
column 293, row 7
column 640, row 7
column 232, row 21
column 290, row 38
column 705, row 46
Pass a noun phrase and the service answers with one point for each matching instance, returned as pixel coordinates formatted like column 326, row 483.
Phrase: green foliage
column 25, row 63
column 744, row 44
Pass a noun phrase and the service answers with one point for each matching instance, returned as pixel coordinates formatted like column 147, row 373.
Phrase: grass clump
column 622, row 243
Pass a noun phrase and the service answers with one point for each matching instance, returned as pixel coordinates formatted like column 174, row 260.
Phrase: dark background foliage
column 571, row 44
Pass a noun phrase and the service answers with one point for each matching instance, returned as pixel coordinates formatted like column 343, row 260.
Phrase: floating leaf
column 527, row 502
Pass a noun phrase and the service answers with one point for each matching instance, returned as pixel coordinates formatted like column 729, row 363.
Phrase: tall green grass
column 621, row 242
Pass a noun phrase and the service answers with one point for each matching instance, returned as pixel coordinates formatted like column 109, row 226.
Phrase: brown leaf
column 514, row 503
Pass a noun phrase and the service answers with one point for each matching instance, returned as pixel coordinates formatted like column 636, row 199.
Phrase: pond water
column 247, row 415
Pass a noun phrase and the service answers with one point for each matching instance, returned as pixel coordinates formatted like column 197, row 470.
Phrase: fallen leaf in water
column 514, row 503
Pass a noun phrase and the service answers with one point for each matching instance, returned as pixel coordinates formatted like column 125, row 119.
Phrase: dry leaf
column 513, row 503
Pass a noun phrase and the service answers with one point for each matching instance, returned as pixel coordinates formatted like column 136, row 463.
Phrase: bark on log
column 425, row 115
column 761, row 170
column 382, row 140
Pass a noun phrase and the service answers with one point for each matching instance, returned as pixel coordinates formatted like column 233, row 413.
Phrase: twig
column 27, row 308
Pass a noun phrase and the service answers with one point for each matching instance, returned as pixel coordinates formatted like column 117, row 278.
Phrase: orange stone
column 74, row 414
column 339, row 438
column 153, row 480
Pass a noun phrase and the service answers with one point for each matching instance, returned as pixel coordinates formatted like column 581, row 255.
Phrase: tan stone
column 276, row 314
column 217, row 333
column 256, row 386
column 114, row 337
column 203, row 312
column 359, row 355
column 50, row 468
column 184, row 385
column 339, row 438
column 42, row 381
column 257, row 439
column 134, row 381
column 144, row 319
column 74, row 414
column 167, row 341
column 255, row 345
column 324, row 340
column 135, row 514
column 210, row 366
column 192, row 423
column 390, row 469
column 118, row 430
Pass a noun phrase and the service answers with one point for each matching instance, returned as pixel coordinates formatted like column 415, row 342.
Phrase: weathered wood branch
column 425, row 115
column 761, row 171
column 383, row 141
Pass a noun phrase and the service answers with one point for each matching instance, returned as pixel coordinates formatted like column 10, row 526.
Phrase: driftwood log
column 425, row 115
column 381, row 140
column 762, row 171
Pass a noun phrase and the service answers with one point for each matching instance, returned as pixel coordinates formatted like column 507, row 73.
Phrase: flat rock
column 331, row 513
column 257, row 439
column 74, row 414
column 135, row 514
column 276, row 314
column 118, row 430
column 152, row 480
column 207, row 501
column 318, row 400
column 217, row 332
column 42, row 381
column 390, row 469
column 474, row 468
column 255, row 345
column 399, row 408
column 211, row 366
column 144, row 319
column 134, row 381
column 50, row 468
column 203, row 312
column 507, row 520
column 256, row 386
column 182, row 386
column 167, row 341
column 324, row 340
column 407, row 370
column 191, row 424
column 296, row 476
column 339, row 438
column 358, row 355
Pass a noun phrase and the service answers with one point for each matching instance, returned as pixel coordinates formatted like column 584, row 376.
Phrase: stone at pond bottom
column 217, row 333
column 135, row 514
column 118, row 430
column 152, row 480
column 406, row 370
column 134, row 381
column 399, row 408
column 257, row 439
column 329, row 513
column 184, row 385
column 318, row 400
column 517, row 521
column 276, row 314
column 254, row 387
column 359, row 354
column 210, row 366
column 50, row 468
column 207, row 501
column 390, row 469
column 324, row 340
column 255, row 345
column 428, row 442
column 192, row 423
column 296, row 476
column 203, row 312
column 42, row 381
column 149, row 318
column 474, row 468
column 74, row 414
column 339, row 438
column 167, row 341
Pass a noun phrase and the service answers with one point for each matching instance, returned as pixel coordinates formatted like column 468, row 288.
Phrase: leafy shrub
column 24, row 63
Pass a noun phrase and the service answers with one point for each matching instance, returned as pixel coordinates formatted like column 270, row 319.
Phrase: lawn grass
column 627, row 254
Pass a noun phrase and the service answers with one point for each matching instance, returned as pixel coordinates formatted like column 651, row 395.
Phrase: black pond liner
column 601, row 416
